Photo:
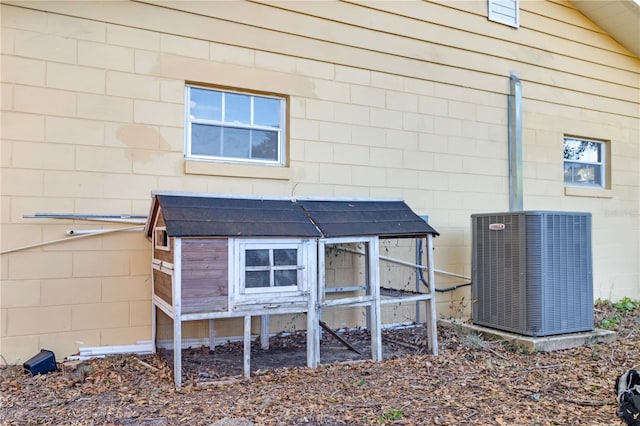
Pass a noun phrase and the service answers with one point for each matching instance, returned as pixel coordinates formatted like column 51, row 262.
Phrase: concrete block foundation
column 536, row 344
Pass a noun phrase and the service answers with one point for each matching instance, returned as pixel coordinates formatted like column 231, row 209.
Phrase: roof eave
column 619, row 18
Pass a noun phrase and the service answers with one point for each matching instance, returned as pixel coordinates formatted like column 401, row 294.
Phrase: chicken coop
column 216, row 257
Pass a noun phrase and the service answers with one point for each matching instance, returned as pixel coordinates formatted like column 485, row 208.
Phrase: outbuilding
column 219, row 257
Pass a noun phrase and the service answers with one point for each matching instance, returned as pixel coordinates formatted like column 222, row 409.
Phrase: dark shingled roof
column 353, row 218
column 188, row 215
column 192, row 216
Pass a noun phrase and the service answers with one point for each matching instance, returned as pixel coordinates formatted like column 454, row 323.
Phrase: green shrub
column 609, row 323
column 626, row 305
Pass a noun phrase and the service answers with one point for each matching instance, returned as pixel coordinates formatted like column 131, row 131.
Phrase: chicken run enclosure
column 340, row 263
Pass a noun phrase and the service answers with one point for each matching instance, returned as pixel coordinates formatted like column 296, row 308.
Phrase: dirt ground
column 201, row 365
column 473, row 381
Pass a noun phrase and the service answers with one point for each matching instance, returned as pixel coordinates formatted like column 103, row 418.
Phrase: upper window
column 504, row 11
column 162, row 239
column 234, row 126
column 584, row 162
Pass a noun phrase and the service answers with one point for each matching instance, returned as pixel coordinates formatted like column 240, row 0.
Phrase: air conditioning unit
column 532, row 272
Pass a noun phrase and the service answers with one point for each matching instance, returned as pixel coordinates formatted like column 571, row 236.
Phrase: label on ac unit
column 496, row 226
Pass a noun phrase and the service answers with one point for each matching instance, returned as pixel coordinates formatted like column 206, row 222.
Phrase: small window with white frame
column 506, row 12
column 270, row 267
column 162, row 239
column 275, row 271
column 584, row 162
column 234, row 126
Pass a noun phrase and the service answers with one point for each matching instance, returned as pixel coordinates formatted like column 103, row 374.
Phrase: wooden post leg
column 375, row 315
column 212, row 335
column 154, row 328
column 247, row 346
column 432, row 342
column 264, row 332
column 313, row 338
column 177, row 350
column 376, row 331
column 432, row 316
column 176, row 295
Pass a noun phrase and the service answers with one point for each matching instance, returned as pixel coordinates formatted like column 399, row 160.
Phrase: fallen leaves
column 489, row 383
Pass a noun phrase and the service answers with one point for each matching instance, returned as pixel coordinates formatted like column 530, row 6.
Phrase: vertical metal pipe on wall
column 515, row 143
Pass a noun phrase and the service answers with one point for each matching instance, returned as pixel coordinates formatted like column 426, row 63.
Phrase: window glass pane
column 257, row 258
column 237, row 108
column 583, row 174
column 285, row 278
column 588, row 174
column 266, row 112
column 235, row 126
column 256, row 279
column 205, row 140
column 235, row 142
column 284, row 257
column 264, row 145
column 205, row 104
column 578, row 150
column 569, row 172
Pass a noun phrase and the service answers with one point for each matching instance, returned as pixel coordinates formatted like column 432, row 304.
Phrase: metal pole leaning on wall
column 73, row 237
column 515, row 143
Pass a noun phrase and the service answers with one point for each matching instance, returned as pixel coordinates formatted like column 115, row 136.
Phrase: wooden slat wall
column 204, row 275
column 162, row 286
column 164, row 255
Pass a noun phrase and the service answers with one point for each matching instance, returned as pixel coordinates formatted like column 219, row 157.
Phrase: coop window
column 270, row 267
column 584, row 162
column 162, row 239
column 233, row 126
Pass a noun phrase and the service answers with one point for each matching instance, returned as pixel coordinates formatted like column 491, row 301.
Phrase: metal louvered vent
column 532, row 272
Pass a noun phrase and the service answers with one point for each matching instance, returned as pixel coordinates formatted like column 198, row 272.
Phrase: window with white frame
column 235, row 126
column 270, row 270
column 162, row 239
column 268, row 267
column 584, row 162
column 504, row 11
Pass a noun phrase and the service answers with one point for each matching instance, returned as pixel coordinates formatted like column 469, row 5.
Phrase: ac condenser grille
column 494, row 250
column 531, row 272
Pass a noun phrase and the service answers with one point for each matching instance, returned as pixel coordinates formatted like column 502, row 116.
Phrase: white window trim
column 505, row 12
column 156, row 244
column 604, row 164
column 282, row 130
column 270, row 295
column 268, row 246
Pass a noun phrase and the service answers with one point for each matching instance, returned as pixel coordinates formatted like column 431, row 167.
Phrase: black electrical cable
column 438, row 290
column 455, row 287
column 446, row 289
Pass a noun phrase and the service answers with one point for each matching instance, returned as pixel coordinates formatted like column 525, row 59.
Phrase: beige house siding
column 386, row 99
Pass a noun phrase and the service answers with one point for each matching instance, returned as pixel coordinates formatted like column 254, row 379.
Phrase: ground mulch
column 473, row 381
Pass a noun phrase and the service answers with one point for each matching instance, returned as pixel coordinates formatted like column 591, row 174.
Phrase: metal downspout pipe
column 515, row 143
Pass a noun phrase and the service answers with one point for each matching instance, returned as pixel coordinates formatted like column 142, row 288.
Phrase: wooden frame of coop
column 217, row 257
